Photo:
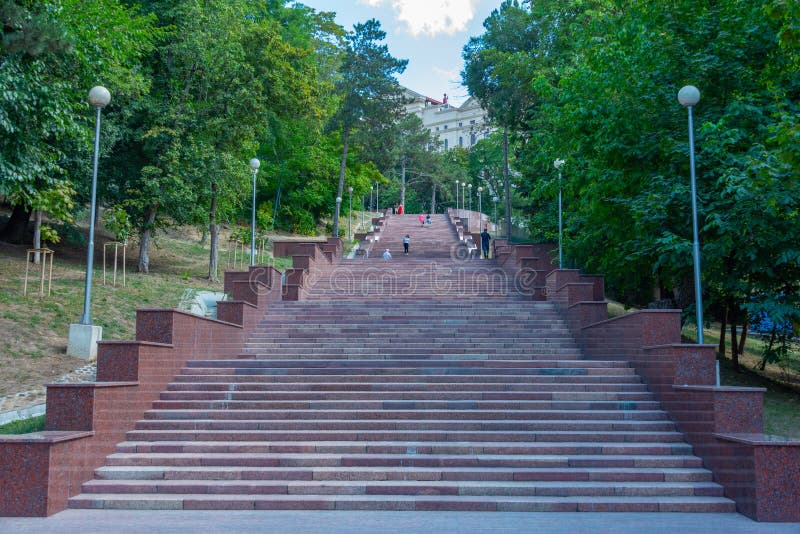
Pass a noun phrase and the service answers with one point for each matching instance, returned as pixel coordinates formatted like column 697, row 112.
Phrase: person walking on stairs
column 387, row 255
column 421, row 219
column 406, row 241
column 485, row 238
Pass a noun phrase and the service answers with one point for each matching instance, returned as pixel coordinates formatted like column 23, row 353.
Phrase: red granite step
column 401, row 502
column 464, row 488
column 574, row 474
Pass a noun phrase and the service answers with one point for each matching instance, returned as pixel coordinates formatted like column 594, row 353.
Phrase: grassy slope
column 33, row 347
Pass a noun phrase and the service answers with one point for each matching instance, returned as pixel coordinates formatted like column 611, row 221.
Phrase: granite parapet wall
column 84, row 422
column 724, row 425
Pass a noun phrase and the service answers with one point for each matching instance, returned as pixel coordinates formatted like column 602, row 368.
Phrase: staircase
column 435, row 240
column 451, row 392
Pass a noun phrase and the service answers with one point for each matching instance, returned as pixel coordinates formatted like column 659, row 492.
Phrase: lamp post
column 338, row 206
column 495, row 199
column 558, row 163
column 463, row 197
column 469, row 210
column 377, row 198
column 371, row 191
column 480, row 207
column 99, row 97
column 457, row 212
column 362, row 212
column 689, row 96
column 254, row 165
column 350, row 216
column 83, row 336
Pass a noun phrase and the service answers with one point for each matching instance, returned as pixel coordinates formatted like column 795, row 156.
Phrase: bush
column 23, row 426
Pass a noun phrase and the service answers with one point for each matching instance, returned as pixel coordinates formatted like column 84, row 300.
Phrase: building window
column 445, row 126
column 460, row 141
column 437, row 128
column 460, row 124
column 446, row 144
column 472, row 122
column 473, row 139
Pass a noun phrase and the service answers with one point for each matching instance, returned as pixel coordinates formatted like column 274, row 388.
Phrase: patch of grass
column 24, row 426
column 615, row 309
column 35, row 328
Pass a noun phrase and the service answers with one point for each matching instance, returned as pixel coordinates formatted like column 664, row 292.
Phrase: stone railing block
column 760, row 472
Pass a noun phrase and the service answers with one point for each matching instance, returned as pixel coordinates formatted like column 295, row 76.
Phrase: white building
column 454, row 126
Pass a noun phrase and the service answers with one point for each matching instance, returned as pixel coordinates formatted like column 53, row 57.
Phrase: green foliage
column 52, row 52
column 371, row 99
column 49, row 235
column 595, row 83
column 23, row 426
column 264, row 216
column 117, row 221
column 240, row 234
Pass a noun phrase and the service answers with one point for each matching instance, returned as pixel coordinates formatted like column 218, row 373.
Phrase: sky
column 429, row 33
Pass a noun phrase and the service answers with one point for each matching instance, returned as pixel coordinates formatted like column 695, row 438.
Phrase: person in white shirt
column 387, row 255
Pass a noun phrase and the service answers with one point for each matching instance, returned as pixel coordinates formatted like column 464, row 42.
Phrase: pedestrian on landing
column 399, row 209
column 428, row 220
column 387, row 255
column 485, row 238
column 406, row 240
column 421, row 219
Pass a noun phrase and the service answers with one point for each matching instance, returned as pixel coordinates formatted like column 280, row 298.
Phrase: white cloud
column 431, row 17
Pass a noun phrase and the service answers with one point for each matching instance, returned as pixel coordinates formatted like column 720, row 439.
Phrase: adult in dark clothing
column 485, row 238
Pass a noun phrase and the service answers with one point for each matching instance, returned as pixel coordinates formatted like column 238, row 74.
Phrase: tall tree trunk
column 342, row 167
column 17, row 225
column 743, row 336
column 507, row 180
column 403, row 182
column 722, row 333
column 734, row 347
column 433, row 198
column 213, row 230
column 144, row 240
column 37, row 234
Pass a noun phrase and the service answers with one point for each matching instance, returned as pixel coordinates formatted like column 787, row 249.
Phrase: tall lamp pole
column 371, row 191
column 254, row 165
column 99, row 97
column 338, row 208
column 362, row 212
column 480, row 207
column 689, row 96
column 463, row 198
column 350, row 216
column 558, row 163
column 469, row 211
column 378, row 197
column 458, row 213
column 495, row 199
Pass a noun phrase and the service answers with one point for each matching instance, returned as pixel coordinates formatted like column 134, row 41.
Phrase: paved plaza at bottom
column 196, row 522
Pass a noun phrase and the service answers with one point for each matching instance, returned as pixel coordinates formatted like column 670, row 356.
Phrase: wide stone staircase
column 436, row 240
column 387, row 389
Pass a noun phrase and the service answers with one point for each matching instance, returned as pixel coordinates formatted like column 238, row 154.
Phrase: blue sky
column 429, row 33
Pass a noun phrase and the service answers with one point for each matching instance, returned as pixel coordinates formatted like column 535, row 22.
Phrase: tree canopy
column 595, row 83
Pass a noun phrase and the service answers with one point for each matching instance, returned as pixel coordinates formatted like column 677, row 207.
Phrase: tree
column 371, row 97
column 595, row 83
column 51, row 54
